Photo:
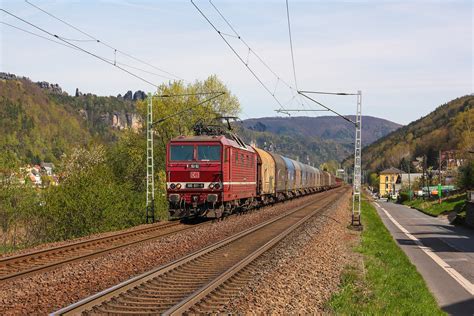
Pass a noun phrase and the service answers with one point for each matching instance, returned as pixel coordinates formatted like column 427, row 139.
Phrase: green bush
column 466, row 175
column 403, row 196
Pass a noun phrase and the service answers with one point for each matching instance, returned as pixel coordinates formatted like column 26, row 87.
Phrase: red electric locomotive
column 210, row 175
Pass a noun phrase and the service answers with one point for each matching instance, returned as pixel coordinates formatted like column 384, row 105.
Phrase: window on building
column 386, row 178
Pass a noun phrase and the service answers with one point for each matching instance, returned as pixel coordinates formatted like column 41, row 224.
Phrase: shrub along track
column 49, row 258
column 194, row 282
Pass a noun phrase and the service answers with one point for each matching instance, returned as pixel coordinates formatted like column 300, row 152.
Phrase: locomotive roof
column 206, row 138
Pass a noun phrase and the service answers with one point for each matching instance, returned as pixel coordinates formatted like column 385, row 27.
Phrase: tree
column 374, row 181
column 18, row 208
column 90, row 200
column 466, row 175
column 405, row 165
column 330, row 166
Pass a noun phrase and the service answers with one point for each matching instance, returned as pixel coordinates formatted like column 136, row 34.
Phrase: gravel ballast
column 49, row 291
column 301, row 273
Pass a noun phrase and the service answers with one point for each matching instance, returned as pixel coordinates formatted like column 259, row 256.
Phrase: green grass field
column 387, row 283
column 452, row 203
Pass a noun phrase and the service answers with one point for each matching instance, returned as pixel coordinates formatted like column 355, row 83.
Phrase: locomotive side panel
column 242, row 181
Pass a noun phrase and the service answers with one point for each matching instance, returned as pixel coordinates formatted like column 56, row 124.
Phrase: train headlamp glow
column 211, row 186
column 178, row 186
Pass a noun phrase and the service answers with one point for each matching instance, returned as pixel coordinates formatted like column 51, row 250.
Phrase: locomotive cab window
column 208, row 153
column 181, row 152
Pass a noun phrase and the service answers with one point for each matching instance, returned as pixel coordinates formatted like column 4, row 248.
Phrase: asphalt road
column 442, row 253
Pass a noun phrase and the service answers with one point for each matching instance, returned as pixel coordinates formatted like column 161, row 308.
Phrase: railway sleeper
column 161, row 288
column 113, row 308
column 144, row 304
column 157, row 294
column 187, row 279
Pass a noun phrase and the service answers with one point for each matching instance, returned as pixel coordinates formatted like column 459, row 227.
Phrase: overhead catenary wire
column 327, row 108
column 250, row 50
column 237, row 35
column 71, row 45
column 93, row 38
column 237, row 54
column 291, row 44
column 80, row 48
column 37, row 35
column 74, row 48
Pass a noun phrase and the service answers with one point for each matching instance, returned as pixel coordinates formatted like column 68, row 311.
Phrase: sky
column 407, row 57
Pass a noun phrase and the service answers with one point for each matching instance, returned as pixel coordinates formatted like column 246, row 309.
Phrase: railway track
column 198, row 282
column 46, row 259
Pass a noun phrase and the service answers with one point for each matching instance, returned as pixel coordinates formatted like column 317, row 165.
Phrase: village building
column 47, row 167
column 392, row 180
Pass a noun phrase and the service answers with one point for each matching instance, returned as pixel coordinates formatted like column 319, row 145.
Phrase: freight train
column 215, row 173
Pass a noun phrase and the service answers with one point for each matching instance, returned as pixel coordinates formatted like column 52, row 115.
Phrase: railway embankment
column 300, row 274
column 48, row 291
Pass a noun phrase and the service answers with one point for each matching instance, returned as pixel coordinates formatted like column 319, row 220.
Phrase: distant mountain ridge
column 313, row 139
column 327, row 127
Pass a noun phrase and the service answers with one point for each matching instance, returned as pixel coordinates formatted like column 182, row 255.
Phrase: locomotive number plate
column 194, row 175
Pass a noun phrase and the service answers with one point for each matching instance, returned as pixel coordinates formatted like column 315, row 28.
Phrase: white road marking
column 456, row 259
column 468, row 286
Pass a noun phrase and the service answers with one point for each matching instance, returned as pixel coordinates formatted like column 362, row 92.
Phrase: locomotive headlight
column 217, row 186
column 211, row 186
column 172, row 186
column 178, row 186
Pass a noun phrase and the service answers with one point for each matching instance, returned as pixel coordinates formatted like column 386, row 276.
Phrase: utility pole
column 150, row 169
column 424, row 177
column 409, row 182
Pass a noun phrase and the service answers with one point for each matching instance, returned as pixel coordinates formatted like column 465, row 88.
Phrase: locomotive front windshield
column 181, row 152
column 208, row 153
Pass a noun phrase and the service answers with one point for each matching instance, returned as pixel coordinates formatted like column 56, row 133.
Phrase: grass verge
column 387, row 283
column 433, row 208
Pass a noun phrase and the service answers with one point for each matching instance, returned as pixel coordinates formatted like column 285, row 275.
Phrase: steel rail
column 29, row 263
column 150, row 278
column 199, row 295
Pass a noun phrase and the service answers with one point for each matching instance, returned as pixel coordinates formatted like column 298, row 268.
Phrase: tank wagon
column 215, row 175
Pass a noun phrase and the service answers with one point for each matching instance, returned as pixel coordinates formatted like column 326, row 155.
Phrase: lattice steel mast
column 150, row 169
column 356, row 197
column 356, row 182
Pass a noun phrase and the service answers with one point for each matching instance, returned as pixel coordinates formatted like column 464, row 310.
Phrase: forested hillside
column 100, row 163
column 33, row 126
column 449, row 127
column 41, row 124
column 318, row 139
